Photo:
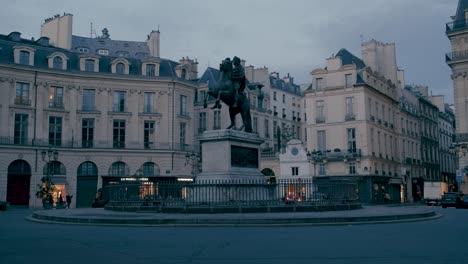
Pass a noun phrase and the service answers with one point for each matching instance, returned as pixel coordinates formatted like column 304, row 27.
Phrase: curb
column 192, row 222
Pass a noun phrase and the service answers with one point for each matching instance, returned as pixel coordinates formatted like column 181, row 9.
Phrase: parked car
column 449, row 199
column 462, row 203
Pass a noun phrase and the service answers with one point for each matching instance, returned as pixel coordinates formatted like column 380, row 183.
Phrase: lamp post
column 193, row 160
column 460, row 151
column 47, row 186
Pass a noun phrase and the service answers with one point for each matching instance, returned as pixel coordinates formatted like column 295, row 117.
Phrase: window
column 147, row 134
column 202, row 122
column 275, row 129
column 351, row 132
column 21, row 129
column 87, row 132
column 182, row 134
column 24, row 57
column 320, row 111
column 284, row 112
column 284, row 98
column 119, row 169
column 295, row 171
column 348, row 80
column 370, row 107
column 352, row 168
column 57, row 63
column 118, row 137
column 321, row 140
column 22, row 94
column 150, row 70
column 103, row 52
column 275, row 110
column 274, row 96
column 88, row 99
column 56, row 97
column 183, row 74
column 89, row 65
column 319, row 84
column 349, row 102
column 217, row 120
column 255, row 125
column 120, row 68
column 119, row 101
column 150, row 170
column 267, row 128
column 322, row 169
column 148, row 106
column 55, row 131
column 183, row 105
column 83, row 50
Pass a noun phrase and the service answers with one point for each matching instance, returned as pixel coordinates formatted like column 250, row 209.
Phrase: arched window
column 183, row 74
column 19, row 167
column 87, row 168
column 119, row 169
column 120, row 68
column 89, row 65
column 150, row 70
column 57, row 63
column 56, row 168
column 24, row 57
column 150, row 169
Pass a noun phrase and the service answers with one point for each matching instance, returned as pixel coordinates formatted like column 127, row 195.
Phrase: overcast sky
column 294, row 36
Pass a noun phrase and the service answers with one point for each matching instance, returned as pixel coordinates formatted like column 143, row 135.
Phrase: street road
column 444, row 240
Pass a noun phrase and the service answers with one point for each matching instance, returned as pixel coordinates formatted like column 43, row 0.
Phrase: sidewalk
column 366, row 215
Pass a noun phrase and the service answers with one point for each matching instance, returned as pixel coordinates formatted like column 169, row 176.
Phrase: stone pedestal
column 230, row 170
column 230, row 155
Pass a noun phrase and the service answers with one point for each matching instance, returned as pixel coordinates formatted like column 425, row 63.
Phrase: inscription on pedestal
column 244, row 157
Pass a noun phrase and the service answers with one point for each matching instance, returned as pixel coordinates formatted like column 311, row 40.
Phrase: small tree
column 45, row 190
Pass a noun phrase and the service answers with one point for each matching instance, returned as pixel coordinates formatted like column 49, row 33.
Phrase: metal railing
column 98, row 144
column 227, row 193
column 456, row 55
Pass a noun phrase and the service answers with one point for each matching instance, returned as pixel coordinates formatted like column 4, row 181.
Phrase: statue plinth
column 230, row 155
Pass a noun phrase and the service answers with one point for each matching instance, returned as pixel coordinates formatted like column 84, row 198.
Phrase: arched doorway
column 57, row 172
column 86, row 185
column 18, row 184
column 150, row 169
column 269, row 175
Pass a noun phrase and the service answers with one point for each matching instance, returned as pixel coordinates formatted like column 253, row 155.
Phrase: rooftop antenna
column 91, row 31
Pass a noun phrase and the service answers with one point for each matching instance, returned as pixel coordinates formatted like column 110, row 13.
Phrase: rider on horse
column 238, row 79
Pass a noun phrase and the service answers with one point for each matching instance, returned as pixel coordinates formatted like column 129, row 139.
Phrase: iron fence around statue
column 219, row 193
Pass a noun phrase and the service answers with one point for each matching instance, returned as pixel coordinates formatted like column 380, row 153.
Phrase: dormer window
column 24, row 55
column 82, row 49
column 183, row 74
column 58, row 61
column 103, row 52
column 89, row 63
column 150, row 68
column 122, row 53
column 120, row 66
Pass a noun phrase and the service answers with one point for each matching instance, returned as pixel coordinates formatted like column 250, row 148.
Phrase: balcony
column 461, row 138
column 22, row 101
column 56, row 104
column 350, row 117
column 456, row 56
column 455, row 26
column 320, row 119
column 335, row 155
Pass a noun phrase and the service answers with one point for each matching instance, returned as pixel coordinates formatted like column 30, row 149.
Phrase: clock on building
column 294, row 151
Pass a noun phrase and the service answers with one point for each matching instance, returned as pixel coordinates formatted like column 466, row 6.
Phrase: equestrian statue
column 229, row 88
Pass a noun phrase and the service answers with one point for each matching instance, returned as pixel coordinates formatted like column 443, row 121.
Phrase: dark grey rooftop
column 134, row 49
column 462, row 6
column 347, row 58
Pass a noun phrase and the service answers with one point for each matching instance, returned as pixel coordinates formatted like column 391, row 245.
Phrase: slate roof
column 285, row 86
column 167, row 67
column 462, row 6
column 135, row 49
column 347, row 58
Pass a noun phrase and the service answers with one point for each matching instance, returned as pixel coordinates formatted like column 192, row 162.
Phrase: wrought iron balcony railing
column 335, row 155
column 456, row 56
column 22, row 101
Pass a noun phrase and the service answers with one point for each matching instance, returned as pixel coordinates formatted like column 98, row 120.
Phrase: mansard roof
column 285, row 86
column 347, row 58
column 210, row 76
column 134, row 49
column 462, row 6
column 42, row 53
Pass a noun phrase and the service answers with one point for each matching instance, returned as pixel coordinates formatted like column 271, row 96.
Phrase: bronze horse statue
column 224, row 90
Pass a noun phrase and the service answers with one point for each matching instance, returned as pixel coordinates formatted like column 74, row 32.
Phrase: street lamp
column 193, row 160
column 47, row 187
